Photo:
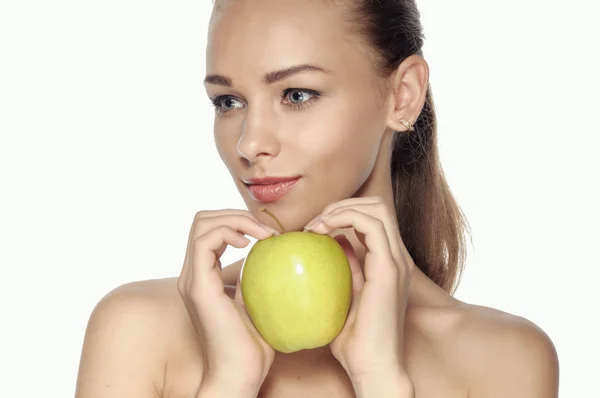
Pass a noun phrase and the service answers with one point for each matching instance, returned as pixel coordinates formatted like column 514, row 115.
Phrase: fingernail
column 269, row 229
column 312, row 224
column 316, row 225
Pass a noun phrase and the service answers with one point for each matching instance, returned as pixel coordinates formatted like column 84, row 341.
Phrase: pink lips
column 270, row 189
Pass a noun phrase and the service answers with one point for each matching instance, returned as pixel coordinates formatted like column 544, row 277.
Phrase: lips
column 270, row 189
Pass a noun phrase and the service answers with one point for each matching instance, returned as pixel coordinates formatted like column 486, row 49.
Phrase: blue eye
column 225, row 103
column 299, row 98
column 292, row 97
column 296, row 96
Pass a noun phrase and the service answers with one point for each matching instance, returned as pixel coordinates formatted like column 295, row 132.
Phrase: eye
column 299, row 98
column 226, row 103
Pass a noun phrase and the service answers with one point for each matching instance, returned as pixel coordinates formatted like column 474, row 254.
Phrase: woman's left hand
column 370, row 345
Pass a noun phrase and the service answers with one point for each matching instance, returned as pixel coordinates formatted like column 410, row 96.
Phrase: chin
column 292, row 214
column 289, row 216
column 294, row 210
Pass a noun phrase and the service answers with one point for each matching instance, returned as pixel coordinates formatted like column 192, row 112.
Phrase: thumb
column 238, row 298
column 358, row 279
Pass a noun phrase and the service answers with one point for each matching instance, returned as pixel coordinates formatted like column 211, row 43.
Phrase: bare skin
column 452, row 349
column 140, row 341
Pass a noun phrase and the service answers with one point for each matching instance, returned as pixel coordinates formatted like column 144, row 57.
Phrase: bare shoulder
column 506, row 355
column 150, row 302
column 129, row 338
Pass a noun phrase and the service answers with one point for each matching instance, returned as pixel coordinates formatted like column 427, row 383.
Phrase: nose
column 258, row 138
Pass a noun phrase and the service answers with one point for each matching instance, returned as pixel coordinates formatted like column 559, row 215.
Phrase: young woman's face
column 323, row 123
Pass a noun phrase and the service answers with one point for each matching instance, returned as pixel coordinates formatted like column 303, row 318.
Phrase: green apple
column 297, row 288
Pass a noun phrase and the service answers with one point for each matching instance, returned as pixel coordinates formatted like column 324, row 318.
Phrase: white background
column 106, row 153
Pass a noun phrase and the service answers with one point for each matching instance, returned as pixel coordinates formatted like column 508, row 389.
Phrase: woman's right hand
column 236, row 358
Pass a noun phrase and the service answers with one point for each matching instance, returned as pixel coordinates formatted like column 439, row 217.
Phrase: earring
column 407, row 124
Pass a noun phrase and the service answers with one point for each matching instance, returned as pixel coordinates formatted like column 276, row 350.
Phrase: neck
column 378, row 184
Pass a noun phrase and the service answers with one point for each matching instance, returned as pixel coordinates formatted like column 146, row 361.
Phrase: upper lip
column 268, row 180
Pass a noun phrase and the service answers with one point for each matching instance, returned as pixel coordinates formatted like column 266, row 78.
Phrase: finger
column 375, row 311
column 375, row 236
column 380, row 211
column 201, row 218
column 238, row 220
column 221, row 212
column 240, row 223
column 208, row 219
column 343, row 203
column 354, row 304
column 351, row 202
column 358, row 279
column 203, row 277
column 239, row 300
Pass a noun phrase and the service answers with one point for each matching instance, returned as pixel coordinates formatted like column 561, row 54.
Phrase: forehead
column 260, row 35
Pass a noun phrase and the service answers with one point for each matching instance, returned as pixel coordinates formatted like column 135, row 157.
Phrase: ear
column 407, row 93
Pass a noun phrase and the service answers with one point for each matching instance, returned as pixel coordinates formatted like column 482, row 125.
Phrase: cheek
column 345, row 146
column 226, row 143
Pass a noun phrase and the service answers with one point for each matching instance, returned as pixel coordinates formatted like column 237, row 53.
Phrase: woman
column 324, row 116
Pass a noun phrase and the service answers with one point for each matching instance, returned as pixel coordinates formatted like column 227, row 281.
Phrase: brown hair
column 432, row 225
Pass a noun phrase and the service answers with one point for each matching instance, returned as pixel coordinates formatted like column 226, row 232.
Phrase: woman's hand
column 236, row 358
column 370, row 345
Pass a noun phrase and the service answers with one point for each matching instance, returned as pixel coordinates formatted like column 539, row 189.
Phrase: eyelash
column 216, row 101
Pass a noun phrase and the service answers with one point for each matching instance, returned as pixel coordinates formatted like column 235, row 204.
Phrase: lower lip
column 271, row 192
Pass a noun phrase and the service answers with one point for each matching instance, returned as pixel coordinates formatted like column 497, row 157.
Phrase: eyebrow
column 270, row 77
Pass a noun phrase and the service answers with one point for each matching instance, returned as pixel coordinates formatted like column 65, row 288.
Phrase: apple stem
column 265, row 210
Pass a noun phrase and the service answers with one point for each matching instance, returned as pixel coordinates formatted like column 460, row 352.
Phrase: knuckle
column 340, row 212
column 197, row 243
column 211, row 213
column 336, row 211
column 200, row 214
column 222, row 230
column 198, row 225
column 198, row 240
column 218, row 230
column 378, row 224
column 202, row 222
column 382, row 208
column 328, row 209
